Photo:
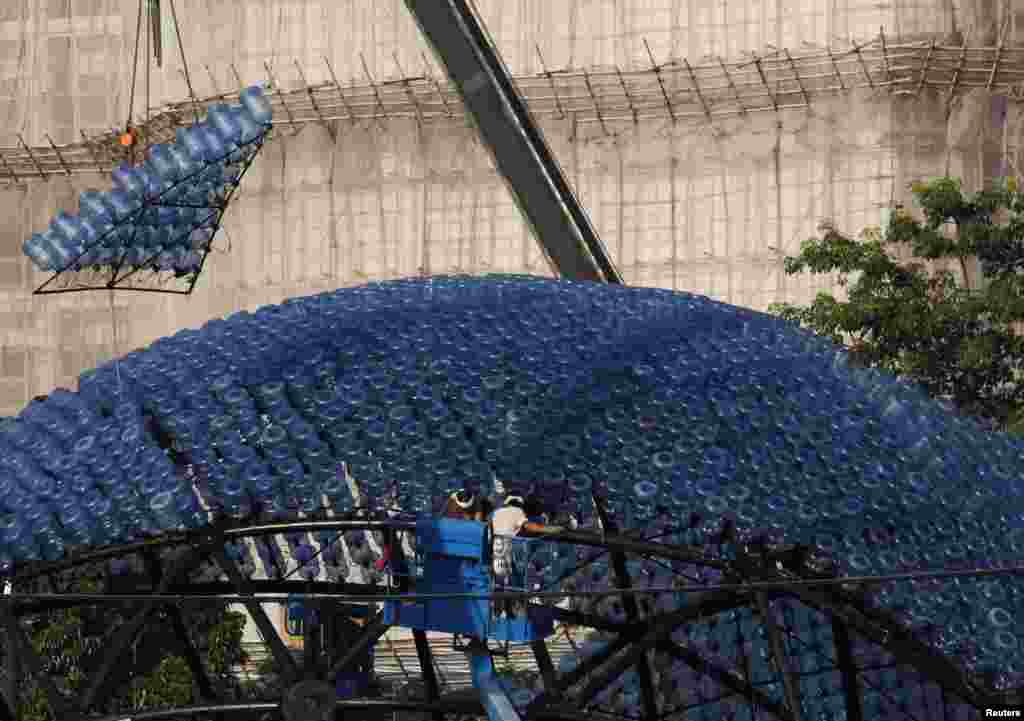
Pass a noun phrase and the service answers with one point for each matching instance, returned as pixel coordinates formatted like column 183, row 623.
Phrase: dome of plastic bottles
column 679, row 411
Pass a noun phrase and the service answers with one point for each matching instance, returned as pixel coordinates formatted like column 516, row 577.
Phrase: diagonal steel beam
column 285, row 661
column 311, row 635
column 641, row 547
column 623, row 581
column 701, row 604
column 9, row 690
column 544, row 664
column 192, row 657
column 726, row 678
column 129, row 630
column 426, row 658
column 21, row 647
column 877, row 627
column 790, row 683
column 568, row 617
column 567, row 680
column 6, row 709
column 848, row 668
column 374, row 629
column 614, row 670
column 658, row 629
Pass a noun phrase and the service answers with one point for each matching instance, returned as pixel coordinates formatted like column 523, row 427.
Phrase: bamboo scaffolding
column 679, row 90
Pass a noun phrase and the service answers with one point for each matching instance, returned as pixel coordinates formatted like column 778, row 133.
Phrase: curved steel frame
column 850, row 616
column 442, row 706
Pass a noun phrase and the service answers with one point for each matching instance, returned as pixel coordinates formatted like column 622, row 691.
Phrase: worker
column 463, row 505
column 129, row 140
column 485, row 508
column 508, row 522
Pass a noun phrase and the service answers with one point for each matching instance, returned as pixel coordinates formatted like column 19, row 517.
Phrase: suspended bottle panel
column 154, row 229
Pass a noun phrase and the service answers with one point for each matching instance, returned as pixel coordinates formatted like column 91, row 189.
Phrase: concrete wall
column 710, row 210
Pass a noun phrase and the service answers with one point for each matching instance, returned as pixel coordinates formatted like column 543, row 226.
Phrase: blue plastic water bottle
column 164, row 163
column 226, row 123
column 256, row 105
column 40, row 252
column 130, row 180
column 96, row 205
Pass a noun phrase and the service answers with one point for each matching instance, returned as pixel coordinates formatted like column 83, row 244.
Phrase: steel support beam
column 461, row 707
column 192, row 657
column 689, row 554
column 374, row 629
column 544, row 664
column 588, row 620
column 632, row 608
column 426, row 658
column 727, row 678
column 285, row 661
column 614, row 670
column 9, row 690
column 848, row 667
column 21, row 608
column 129, row 630
column 565, row 681
column 312, row 632
column 520, row 152
column 901, row 645
column 790, row 683
column 191, row 538
column 701, row 605
column 658, row 629
column 27, row 657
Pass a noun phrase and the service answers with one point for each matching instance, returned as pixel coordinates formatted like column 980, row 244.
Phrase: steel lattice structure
column 865, row 641
column 706, row 90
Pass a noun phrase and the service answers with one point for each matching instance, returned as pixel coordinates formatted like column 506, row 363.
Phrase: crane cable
column 149, row 38
column 127, row 138
column 184, row 63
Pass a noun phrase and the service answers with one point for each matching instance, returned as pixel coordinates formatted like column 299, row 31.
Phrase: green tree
column 933, row 325
column 71, row 643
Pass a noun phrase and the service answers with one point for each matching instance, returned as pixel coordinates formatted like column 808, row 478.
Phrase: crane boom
column 520, row 152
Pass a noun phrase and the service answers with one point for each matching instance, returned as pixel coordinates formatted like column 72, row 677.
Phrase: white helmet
column 463, row 499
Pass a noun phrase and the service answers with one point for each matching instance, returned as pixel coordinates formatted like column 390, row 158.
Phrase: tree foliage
column 71, row 643
column 920, row 319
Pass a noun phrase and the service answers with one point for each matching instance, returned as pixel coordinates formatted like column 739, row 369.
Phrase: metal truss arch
column 673, row 642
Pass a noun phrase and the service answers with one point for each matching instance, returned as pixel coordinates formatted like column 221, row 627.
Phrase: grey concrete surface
column 711, row 210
